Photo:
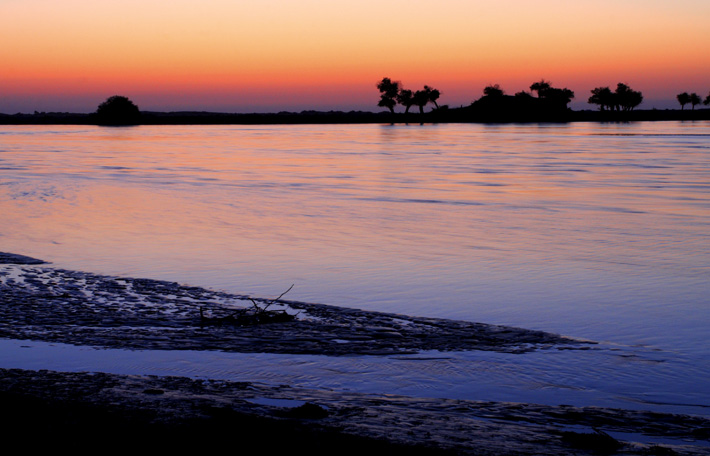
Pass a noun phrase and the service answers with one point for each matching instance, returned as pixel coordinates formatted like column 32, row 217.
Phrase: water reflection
column 605, row 377
column 592, row 230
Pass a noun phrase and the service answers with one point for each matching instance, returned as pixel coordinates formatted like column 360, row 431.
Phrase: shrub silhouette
column 550, row 102
column 493, row 91
column 559, row 98
column 540, row 86
column 118, row 110
column 554, row 97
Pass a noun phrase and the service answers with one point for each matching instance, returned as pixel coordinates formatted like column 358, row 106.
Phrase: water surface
column 597, row 231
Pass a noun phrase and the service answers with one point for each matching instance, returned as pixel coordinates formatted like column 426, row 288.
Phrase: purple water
column 597, row 231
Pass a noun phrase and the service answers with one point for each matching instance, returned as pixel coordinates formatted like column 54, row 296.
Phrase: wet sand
column 38, row 302
column 55, row 305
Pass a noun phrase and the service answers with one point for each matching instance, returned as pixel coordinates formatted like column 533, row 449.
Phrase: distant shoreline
column 455, row 115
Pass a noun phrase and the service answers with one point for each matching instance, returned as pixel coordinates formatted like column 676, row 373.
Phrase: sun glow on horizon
column 332, row 53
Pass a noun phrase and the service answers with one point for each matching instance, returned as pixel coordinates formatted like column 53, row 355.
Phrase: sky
column 274, row 55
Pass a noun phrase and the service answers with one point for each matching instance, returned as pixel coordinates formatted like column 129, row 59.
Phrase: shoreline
column 55, row 305
column 454, row 115
column 39, row 302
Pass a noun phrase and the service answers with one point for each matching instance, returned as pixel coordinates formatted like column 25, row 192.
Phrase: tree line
column 622, row 98
column 693, row 99
column 392, row 93
column 544, row 90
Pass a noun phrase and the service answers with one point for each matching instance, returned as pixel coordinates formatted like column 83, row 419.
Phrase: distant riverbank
column 455, row 115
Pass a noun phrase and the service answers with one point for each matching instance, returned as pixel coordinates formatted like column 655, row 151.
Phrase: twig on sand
column 258, row 309
column 254, row 315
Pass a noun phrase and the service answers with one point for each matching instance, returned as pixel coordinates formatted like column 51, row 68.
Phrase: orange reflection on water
column 459, row 219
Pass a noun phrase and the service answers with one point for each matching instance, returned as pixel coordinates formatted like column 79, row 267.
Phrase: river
column 594, row 231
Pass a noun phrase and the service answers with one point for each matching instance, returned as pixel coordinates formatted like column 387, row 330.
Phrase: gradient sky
column 271, row 55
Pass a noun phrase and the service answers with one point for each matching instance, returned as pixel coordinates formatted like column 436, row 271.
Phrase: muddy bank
column 82, row 409
column 86, row 411
column 39, row 302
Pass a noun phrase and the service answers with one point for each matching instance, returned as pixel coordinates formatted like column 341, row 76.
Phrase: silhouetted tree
column 388, row 93
column 386, row 102
column 493, row 91
column 405, row 97
column 604, row 97
column 388, row 87
column 683, row 99
column 555, row 96
column 420, row 98
column 707, row 100
column 694, row 99
column 540, row 87
column 627, row 99
column 621, row 99
column 433, row 95
column 118, row 110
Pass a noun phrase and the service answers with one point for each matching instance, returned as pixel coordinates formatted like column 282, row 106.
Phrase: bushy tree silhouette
column 555, row 97
column 388, row 87
column 559, row 97
column 433, row 95
column 604, row 97
column 540, row 86
column 388, row 103
column 683, row 99
column 627, row 99
column 621, row 99
column 405, row 97
column 388, row 93
column 694, row 99
column 493, row 90
column 420, row 98
column 707, row 100
column 118, row 110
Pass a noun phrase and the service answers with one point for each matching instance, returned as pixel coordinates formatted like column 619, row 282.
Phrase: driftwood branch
column 253, row 315
column 266, row 306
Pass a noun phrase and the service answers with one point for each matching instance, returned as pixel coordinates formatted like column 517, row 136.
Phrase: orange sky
column 269, row 55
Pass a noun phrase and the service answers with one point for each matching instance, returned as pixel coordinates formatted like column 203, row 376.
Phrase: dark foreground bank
column 90, row 412
column 96, row 411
